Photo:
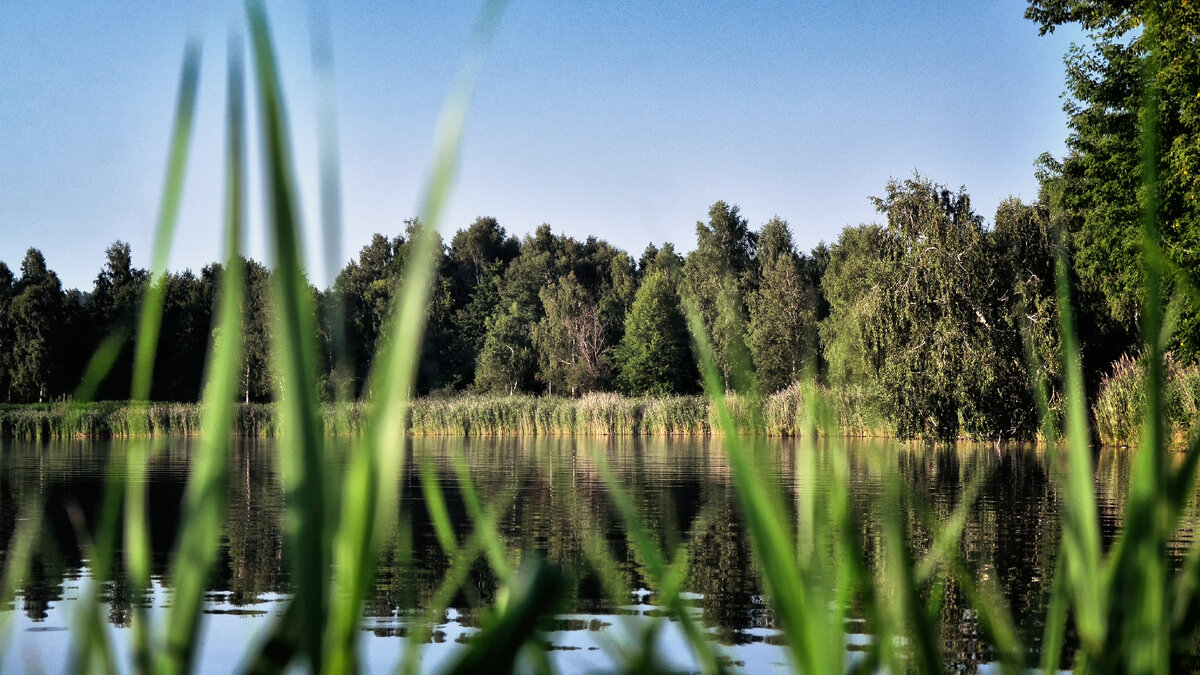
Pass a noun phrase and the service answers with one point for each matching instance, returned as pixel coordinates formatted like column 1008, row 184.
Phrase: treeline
column 924, row 322
column 931, row 321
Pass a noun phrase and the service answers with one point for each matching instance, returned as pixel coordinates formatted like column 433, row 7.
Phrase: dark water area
column 548, row 500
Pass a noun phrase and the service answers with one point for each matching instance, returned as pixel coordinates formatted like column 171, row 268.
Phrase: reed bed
column 121, row 419
column 1121, row 402
column 1119, row 408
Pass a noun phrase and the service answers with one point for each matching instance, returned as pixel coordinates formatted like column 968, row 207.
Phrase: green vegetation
column 594, row 414
column 931, row 321
column 1121, row 404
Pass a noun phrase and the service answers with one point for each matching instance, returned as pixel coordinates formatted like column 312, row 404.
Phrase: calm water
column 550, row 499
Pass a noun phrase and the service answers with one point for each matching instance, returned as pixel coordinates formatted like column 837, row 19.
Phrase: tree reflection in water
column 550, row 498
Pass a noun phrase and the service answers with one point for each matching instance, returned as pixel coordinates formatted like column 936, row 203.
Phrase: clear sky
column 621, row 119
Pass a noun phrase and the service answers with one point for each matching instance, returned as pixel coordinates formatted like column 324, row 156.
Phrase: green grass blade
column 945, row 544
column 493, row 542
column 668, row 577
column 435, row 504
column 377, row 460
column 899, row 577
column 301, row 452
column 987, row 600
column 769, row 539
column 1056, row 619
column 453, row 581
column 99, row 365
column 204, row 500
column 1141, row 567
column 495, row 648
column 18, row 557
column 137, row 540
column 1081, row 530
column 330, row 189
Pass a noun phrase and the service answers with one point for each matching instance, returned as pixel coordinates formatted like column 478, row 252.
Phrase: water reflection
column 550, row 500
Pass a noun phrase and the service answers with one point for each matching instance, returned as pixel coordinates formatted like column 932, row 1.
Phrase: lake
column 549, row 500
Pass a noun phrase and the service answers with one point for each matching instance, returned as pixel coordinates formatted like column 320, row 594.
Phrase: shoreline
column 477, row 416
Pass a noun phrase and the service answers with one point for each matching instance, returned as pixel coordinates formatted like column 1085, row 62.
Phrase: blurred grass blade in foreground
column 205, row 497
column 301, row 452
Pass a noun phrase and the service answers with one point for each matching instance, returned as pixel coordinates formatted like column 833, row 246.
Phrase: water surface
column 549, row 500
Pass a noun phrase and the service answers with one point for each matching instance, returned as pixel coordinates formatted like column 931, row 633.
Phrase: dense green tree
column 75, row 342
column 919, row 318
column 667, row 261
column 603, row 274
column 187, row 319
column 720, row 276
column 364, row 288
column 507, row 359
column 655, row 355
column 509, row 329
column 258, row 378
column 861, row 258
column 782, row 326
column 1101, row 176
column 1024, row 244
column 475, row 251
column 475, row 265
column 444, row 359
column 615, row 296
column 36, row 315
column 7, row 282
column 118, row 287
column 572, row 340
column 116, row 296
column 542, row 259
column 648, row 256
column 485, row 298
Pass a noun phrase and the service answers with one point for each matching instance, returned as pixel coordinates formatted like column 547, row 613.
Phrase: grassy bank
column 602, row 414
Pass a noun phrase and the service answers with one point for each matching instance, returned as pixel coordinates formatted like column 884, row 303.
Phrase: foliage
column 572, row 339
column 1121, row 401
column 782, row 329
column 921, row 313
column 35, row 310
column 507, row 359
column 1105, row 84
column 719, row 276
column 654, row 356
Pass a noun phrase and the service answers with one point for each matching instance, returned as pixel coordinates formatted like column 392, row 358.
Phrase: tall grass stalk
column 17, row 560
column 199, row 539
column 137, row 534
column 372, row 477
column 301, row 458
column 799, row 613
column 667, row 576
column 1125, row 617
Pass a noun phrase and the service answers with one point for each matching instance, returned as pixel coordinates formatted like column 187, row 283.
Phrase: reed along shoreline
column 598, row 414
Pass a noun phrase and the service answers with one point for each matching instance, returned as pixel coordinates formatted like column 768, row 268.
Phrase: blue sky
column 624, row 120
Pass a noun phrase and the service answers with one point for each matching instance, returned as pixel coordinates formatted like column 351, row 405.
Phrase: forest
column 933, row 320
